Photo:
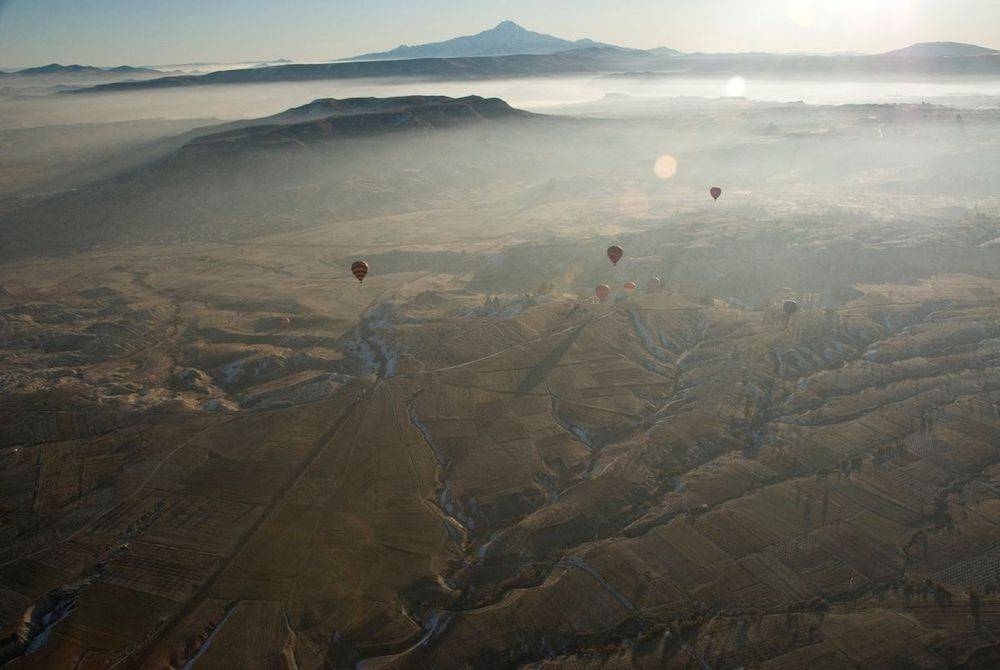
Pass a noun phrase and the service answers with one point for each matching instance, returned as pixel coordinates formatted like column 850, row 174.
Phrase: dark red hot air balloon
column 630, row 287
column 602, row 292
column 359, row 269
column 716, row 192
column 615, row 253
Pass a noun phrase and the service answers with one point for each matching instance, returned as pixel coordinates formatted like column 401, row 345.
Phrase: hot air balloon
column 359, row 269
column 602, row 292
column 285, row 322
column 630, row 287
column 615, row 253
column 654, row 284
column 790, row 307
column 716, row 192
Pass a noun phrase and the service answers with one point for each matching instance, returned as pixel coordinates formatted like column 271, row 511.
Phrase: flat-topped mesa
column 326, row 107
column 329, row 118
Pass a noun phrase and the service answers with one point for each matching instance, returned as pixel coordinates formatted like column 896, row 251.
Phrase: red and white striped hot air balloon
column 359, row 269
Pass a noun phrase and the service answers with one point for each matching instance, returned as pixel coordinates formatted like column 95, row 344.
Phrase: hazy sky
column 150, row 32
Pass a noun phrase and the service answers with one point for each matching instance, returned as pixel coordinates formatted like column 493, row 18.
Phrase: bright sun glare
column 665, row 166
column 861, row 15
column 802, row 12
column 736, row 87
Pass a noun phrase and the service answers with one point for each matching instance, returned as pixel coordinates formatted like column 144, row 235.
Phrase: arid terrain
column 219, row 450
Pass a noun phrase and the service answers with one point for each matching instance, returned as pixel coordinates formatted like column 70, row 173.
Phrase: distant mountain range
column 508, row 50
column 506, row 39
column 577, row 61
column 57, row 69
column 203, row 68
column 509, row 38
column 941, row 50
column 463, row 58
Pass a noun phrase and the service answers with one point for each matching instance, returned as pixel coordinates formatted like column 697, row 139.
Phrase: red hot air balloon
column 654, row 284
column 615, row 253
column 602, row 292
column 359, row 269
column 630, row 287
column 716, row 192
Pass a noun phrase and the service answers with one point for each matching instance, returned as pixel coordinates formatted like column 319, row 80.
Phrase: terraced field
column 456, row 481
column 217, row 450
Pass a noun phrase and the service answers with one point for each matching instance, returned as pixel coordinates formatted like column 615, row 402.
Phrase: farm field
column 648, row 481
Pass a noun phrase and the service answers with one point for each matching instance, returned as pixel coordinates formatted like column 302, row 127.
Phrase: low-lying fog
column 535, row 94
column 79, row 170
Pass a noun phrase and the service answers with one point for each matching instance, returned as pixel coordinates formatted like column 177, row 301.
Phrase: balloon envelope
column 654, row 284
column 615, row 253
column 602, row 291
column 359, row 269
column 790, row 307
column 630, row 286
column 716, row 192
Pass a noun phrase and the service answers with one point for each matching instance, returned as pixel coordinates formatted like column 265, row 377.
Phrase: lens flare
column 802, row 12
column 665, row 167
column 736, row 87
